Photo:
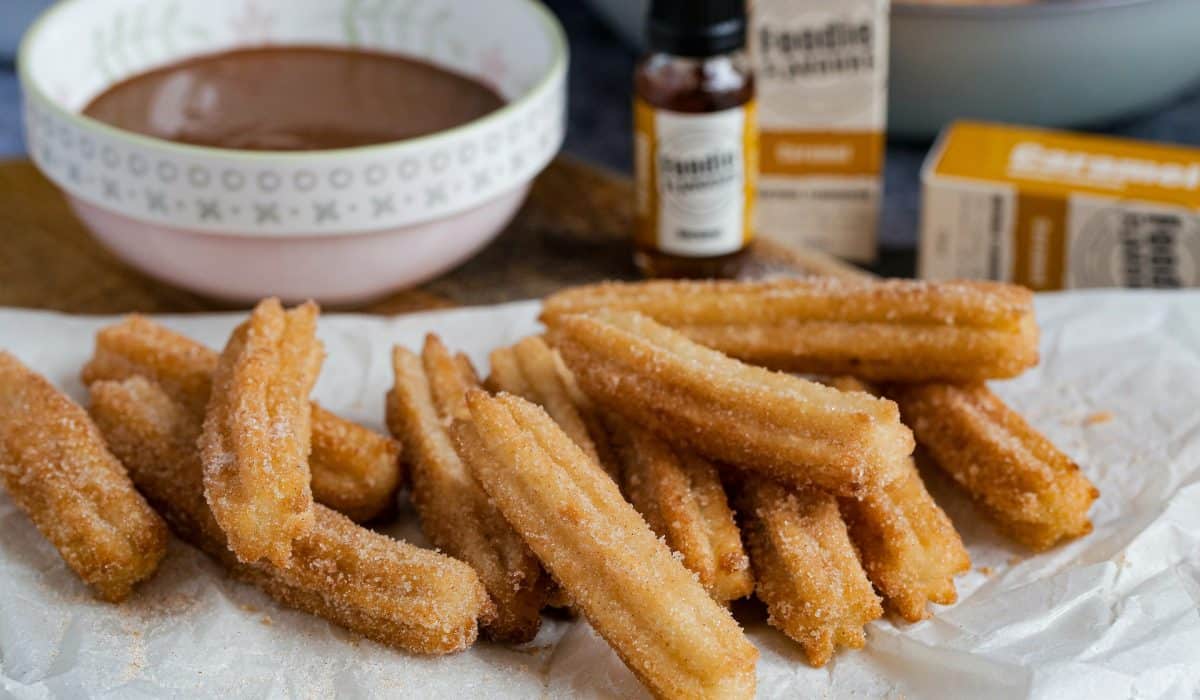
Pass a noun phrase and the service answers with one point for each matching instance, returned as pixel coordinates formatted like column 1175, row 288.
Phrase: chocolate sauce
column 293, row 99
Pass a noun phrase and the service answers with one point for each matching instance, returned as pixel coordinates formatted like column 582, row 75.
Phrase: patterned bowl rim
column 556, row 69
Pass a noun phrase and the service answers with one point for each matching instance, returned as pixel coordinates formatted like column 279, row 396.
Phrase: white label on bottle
column 700, row 172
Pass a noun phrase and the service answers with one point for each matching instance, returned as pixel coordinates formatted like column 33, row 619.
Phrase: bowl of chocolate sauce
column 327, row 149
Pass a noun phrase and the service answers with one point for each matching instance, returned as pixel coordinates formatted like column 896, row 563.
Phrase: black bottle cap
column 696, row 28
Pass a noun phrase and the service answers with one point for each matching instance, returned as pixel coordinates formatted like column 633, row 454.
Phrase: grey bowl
column 1064, row 63
column 1061, row 63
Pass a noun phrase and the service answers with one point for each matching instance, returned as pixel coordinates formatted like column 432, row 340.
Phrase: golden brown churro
column 636, row 595
column 806, row 569
column 455, row 512
column 534, row 371
column 355, row 470
column 56, row 468
column 681, row 497
column 257, row 432
column 895, row 330
column 384, row 589
column 908, row 545
column 783, row 426
column 1035, row 493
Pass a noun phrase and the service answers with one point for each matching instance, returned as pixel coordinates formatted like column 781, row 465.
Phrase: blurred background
column 1140, row 51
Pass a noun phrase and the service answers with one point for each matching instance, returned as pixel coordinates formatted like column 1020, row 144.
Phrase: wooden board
column 573, row 229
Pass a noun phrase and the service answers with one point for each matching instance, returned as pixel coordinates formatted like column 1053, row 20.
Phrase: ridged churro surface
column 805, row 567
column 386, row 590
column 355, row 470
column 1033, row 491
column 535, row 372
column 908, row 546
column 257, row 432
column 57, row 469
column 456, row 515
column 638, row 597
column 681, row 497
column 894, row 330
column 783, row 426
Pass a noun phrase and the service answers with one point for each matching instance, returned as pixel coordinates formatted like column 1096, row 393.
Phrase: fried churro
column 908, row 546
column 783, row 426
column 257, row 432
column 455, row 512
column 355, row 470
column 637, row 596
column 56, row 468
column 805, row 567
column 535, row 372
column 894, row 330
column 1036, row 494
column 386, row 590
column 681, row 497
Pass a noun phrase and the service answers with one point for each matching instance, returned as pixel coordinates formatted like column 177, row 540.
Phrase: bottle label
column 695, row 179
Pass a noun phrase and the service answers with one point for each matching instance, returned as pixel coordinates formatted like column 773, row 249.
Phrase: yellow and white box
column 1054, row 210
column 821, row 72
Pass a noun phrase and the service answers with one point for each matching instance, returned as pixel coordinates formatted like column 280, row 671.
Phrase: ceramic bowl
column 339, row 226
column 1058, row 63
column 1061, row 63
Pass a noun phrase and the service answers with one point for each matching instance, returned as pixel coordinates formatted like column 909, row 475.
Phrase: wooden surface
column 573, row 229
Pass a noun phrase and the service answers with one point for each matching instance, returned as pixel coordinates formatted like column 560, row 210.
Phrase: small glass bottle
column 695, row 140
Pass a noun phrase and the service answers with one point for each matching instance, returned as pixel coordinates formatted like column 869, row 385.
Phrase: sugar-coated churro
column 389, row 591
column 908, row 545
column 681, row 497
column 535, row 372
column 637, row 596
column 355, row 470
column 805, row 567
column 56, row 468
column 455, row 513
column 783, row 426
column 894, row 330
column 1035, row 493
column 257, row 432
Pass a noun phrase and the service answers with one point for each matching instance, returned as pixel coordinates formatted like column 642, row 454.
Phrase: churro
column 535, row 372
column 455, row 512
column 1036, row 494
column 894, row 330
column 257, row 432
column 909, row 548
column 56, row 468
column 805, row 567
column 386, row 590
column 637, row 596
column 786, row 427
column 355, row 470
column 681, row 497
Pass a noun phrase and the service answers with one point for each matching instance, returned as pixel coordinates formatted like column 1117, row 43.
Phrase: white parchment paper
column 1115, row 615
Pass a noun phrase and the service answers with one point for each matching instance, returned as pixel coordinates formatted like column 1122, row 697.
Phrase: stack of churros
column 456, row 515
column 386, row 590
column 788, row 428
column 652, row 610
column 661, row 356
column 648, row 460
column 897, row 330
column 355, row 470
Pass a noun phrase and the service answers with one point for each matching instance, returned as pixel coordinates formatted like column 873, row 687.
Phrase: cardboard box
column 821, row 72
column 1055, row 210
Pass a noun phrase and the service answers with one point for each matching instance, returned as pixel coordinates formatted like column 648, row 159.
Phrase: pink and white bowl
column 339, row 226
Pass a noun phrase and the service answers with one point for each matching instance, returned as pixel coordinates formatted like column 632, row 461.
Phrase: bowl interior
column 81, row 47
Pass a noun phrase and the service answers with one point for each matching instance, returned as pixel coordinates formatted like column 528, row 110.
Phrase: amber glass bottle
column 695, row 140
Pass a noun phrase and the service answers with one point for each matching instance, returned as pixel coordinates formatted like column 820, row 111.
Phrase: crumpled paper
column 1114, row 615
